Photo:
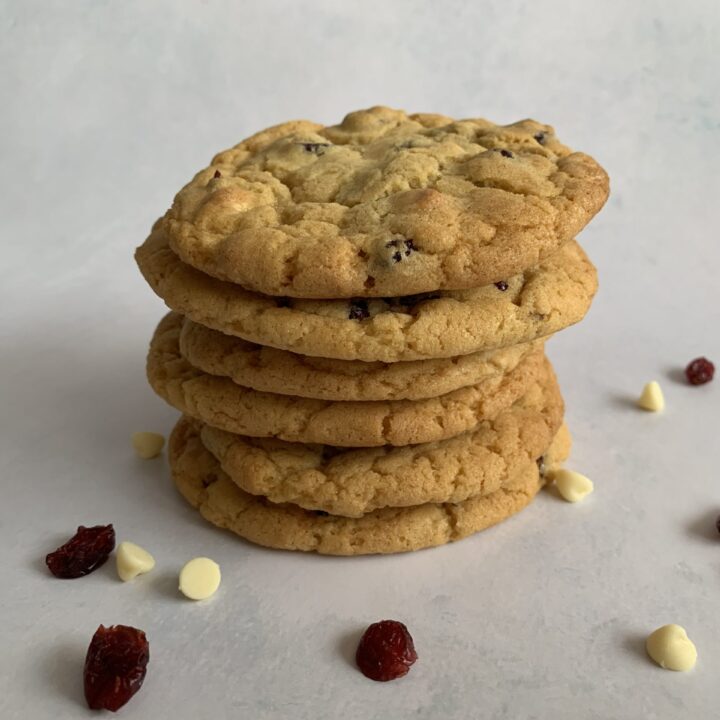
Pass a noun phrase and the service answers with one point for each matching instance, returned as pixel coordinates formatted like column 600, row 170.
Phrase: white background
column 107, row 108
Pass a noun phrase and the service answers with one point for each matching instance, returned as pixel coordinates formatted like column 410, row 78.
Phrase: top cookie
column 384, row 204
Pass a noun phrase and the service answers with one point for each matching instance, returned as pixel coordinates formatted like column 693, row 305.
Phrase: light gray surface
column 108, row 107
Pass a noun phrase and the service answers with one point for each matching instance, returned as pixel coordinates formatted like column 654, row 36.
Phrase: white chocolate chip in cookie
column 132, row 560
column 200, row 578
column 148, row 444
column 571, row 485
column 671, row 648
column 652, row 398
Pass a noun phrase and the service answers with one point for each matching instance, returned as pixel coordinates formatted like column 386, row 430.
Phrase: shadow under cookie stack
column 359, row 312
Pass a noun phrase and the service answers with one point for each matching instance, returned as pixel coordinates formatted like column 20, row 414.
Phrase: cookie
column 199, row 478
column 356, row 481
column 279, row 371
column 384, row 204
column 534, row 304
column 220, row 402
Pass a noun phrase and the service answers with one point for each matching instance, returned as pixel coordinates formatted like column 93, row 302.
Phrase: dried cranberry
column 700, row 371
column 506, row 153
column 502, row 286
column 540, row 137
column 115, row 666
column 386, row 651
column 401, row 247
column 217, row 174
column 86, row 551
column 358, row 310
column 315, row 148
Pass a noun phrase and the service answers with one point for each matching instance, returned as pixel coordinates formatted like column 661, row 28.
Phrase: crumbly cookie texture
column 355, row 482
column 279, row 371
column 534, row 304
column 220, row 402
column 384, row 204
column 202, row 482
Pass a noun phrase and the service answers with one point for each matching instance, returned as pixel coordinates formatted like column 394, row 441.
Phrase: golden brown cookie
column 220, row 402
column 534, row 304
column 279, row 371
column 384, row 204
column 202, row 482
column 354, row 482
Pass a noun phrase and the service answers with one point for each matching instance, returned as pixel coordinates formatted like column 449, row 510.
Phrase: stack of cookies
column 359, row 311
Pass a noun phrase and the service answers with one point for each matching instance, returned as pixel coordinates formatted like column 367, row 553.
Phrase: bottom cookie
column 198, row 476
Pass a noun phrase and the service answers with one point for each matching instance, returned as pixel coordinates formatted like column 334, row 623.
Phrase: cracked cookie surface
column 279, row 371
column 353, row 482
column 200, row 479
column 384, row 204
column 534, row 304
column 222, row 403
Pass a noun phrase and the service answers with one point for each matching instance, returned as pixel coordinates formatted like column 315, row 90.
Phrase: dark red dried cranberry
column 502, row 286
column 402, row 248
column 115, row 666
column 506, row 153
column 86, row 551
column 386, row 651
column 217, row 174
column 700, row 371
column 540, row 137
column 315, row 148
column 358, row 310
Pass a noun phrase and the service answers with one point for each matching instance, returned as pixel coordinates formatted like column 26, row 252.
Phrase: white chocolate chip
column 131, row 560
column 670, row 647
column 652, row 398
column 148, row 444
column 200, row 578
column 572, row 486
